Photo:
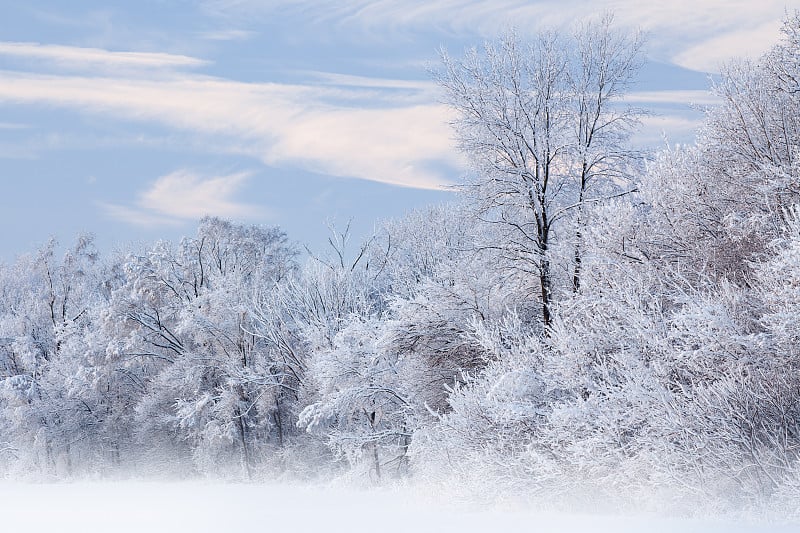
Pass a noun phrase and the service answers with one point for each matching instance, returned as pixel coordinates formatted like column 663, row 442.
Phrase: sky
column 132, row 120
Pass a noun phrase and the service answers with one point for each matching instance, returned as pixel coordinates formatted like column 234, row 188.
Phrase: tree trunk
column 577, row 259
column 376, row 461
column 243, row 441
column 545, row 279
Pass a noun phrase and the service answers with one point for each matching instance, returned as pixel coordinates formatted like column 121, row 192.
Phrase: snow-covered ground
column 205, row 507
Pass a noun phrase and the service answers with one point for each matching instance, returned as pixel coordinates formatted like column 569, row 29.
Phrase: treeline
column 585, row 324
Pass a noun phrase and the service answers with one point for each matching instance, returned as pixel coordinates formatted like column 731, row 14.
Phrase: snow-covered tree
column 213, row 384
column 541, row 124
column 362, row 408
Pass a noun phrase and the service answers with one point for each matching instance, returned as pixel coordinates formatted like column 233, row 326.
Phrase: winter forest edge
column 586, row 324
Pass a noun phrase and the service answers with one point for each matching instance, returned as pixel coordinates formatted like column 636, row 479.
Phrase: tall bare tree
column 543, row 127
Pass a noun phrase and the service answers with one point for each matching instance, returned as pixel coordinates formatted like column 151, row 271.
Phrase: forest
column 585, row 322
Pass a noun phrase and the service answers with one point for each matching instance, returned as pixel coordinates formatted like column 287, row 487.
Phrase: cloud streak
column 184, row 195
column 227, row 35
column 330, row 130
column 673, row 97
column 695, row 34
column 13, row 126
column 666, row 129
column 83, row 57
column 710, row 54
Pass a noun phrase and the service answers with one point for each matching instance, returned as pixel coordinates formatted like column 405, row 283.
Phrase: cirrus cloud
column 83, row 57
column 695, row 34
column 366, row 131
column 184, row 195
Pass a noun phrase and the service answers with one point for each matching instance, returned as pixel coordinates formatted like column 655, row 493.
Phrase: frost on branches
column 584, row 326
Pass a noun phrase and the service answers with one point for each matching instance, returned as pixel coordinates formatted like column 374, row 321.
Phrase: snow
column 214, row 507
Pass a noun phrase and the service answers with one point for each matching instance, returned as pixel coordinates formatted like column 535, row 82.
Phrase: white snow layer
column 205, row 507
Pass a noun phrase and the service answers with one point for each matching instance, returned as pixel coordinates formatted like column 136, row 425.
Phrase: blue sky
column 131, row 120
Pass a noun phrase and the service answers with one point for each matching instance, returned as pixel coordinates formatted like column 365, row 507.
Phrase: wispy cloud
column 93, row 57
column 660, row 129
column 348, row 80
column 227, row 35
column 673, row 97
column 341, row 131
column 676, row 115
column 710, row 54
column 184, row 195
column 13, row 126
column 696, row 34
column 137, row 217
column 394, row 146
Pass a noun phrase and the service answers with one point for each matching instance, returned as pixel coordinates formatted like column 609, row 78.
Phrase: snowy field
column 206, row 507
